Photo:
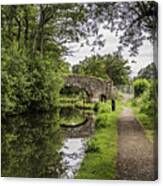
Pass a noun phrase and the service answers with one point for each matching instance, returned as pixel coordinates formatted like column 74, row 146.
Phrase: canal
column 46, row 145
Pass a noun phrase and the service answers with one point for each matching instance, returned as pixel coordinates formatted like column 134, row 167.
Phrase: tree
column 105, row 67
column 42, row 28
column 32, row 68
column 57, row 24
column 140, row 86
column 149, row 72
column 132, row 21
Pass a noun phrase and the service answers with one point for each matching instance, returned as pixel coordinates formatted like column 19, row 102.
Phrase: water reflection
column 71, row 116
column 36, row 145
column 74, row 147
column 82, row 130
column 29, row 146
column 73, row 152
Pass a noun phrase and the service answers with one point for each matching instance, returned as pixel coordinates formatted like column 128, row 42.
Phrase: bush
column 103, row 107
column 149, row 102
column 133, row 102
column 46, row 84
column 92, row 146
column 140, row 85
column 147, row 106
column 102, row 121
column 28, row 84
column 15, row 81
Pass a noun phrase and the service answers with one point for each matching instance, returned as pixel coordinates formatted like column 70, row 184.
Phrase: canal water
column 45, row 145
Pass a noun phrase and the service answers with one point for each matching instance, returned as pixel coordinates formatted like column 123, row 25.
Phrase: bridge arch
column 73, row 90
column 96, row 89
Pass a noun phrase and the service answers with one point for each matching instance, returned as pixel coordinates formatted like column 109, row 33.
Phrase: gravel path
column 135, row 153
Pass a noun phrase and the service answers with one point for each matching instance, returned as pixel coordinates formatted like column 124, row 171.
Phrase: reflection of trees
column 70, row 115
column 72, row 91
column 29, row 146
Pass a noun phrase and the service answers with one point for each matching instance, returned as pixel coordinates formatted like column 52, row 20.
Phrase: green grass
column 146, row 123
column 100, row 159
column 144, row 120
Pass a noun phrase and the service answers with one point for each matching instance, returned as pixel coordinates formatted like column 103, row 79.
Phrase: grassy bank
column 100, row 159
column 145, row 121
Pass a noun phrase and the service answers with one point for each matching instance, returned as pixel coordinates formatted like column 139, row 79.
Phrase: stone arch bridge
column 96, row 89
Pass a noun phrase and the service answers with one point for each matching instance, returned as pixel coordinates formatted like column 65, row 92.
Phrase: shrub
column 92, row 146
column 147, row 106
column 28, row 84
column 149, row 101
column 15, row 81
column 102, row 121
column 140, row 85
column 46, row 84
column 103, row 107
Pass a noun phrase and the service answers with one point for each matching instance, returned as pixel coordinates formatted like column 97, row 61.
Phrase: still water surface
column 37, row 146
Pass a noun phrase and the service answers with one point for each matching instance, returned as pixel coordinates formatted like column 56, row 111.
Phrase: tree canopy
column 149, row 72
column 105, row 67
column 132, row 21
column 43, row 26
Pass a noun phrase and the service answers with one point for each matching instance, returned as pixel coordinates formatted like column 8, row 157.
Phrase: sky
column 144, row 57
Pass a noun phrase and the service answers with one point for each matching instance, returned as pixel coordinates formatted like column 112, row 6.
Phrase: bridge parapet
column 95, row 88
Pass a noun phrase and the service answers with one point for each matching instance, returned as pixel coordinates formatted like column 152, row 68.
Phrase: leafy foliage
column 30, row 144
column 28, row 84
column 16, row 89
column 134, row 22
column 105, row 67
column 149, row 101
column 140, row 85
column 32, row 68
column 145, row 107
column 149, row 72
column 46, row 28
column 92, row 146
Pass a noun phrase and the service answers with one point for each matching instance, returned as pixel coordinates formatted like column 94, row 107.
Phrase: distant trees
column 105, row 67
column 149, row 72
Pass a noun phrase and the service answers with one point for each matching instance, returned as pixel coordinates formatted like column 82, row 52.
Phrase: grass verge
column 145, row 121
column 100, row 158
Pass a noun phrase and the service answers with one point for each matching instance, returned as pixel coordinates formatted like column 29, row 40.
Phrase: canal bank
column 77, row 150
column 100, row 158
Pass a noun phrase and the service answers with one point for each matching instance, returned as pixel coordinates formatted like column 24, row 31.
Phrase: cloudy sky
column 144, row 57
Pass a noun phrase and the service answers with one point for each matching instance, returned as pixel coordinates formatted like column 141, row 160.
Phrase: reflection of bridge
column 82, row 130
column 96, row 89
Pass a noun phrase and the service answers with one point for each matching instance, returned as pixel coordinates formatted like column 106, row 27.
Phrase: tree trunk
column 26, row 28
column 18, row 32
